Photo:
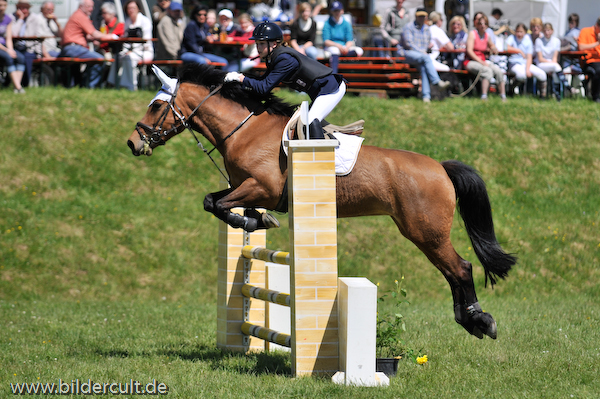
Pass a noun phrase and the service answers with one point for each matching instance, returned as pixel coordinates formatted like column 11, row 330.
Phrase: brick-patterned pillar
column 313, row 242
column 230, row 301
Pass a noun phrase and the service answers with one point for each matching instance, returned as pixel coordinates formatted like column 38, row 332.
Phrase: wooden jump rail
column 267, row 255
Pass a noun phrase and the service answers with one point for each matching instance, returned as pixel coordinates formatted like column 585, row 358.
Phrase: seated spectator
column 21, row 27
column 571, row 65
column 394, row 20
column 170, row 33
column 159, row 11
column 338, row 37
column 499, row 26
column 250, row 57
column 212, row 25
column 547, row 49
column 416, row 40
column 439, row 41
column 110, row 26
column 521, row 63
column 195, row 39
column 74, row 40
column 453, row 8
column 133, row 53
column 458, row 36
column 303, row 32
column 226, row 23
column 479, row 43
column 44, row 25
column 317, row 6
column 14, row 61
column 535, row 27
column 589, row 41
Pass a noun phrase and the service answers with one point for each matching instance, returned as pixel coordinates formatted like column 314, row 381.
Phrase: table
column 116, row 45
column 236, row 44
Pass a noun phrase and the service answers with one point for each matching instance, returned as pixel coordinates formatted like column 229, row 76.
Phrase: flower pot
column 387, row 365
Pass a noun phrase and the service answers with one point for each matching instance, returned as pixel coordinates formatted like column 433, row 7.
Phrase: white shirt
column 439, row 39
column 547, row 46
column 143, row 22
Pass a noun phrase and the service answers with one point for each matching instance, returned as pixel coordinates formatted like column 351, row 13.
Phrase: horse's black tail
column 476, row 211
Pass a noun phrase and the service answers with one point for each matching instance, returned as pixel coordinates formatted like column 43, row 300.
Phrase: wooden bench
column 69, row 64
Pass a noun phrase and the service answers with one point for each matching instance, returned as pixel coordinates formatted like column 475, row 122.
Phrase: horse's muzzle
column 141, row 148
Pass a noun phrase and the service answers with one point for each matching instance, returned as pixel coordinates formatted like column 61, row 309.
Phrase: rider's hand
column 233, row 77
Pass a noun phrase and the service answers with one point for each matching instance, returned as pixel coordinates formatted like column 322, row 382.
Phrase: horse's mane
column 208, row 76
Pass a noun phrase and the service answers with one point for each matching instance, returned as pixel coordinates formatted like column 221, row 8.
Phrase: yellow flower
column 422, row 359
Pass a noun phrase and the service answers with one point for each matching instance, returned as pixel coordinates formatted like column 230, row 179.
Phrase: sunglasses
column 201, row 14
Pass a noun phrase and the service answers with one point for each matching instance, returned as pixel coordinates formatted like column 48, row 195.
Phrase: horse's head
column 161, row 122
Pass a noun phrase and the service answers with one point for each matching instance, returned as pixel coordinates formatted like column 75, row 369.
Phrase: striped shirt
column 415, row 38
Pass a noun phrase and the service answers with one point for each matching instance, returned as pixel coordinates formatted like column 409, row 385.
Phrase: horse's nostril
column 132, row 146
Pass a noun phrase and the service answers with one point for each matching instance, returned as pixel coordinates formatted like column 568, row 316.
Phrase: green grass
column 108, row 262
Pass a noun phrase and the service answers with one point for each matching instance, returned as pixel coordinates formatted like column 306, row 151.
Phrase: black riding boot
column 315, row 131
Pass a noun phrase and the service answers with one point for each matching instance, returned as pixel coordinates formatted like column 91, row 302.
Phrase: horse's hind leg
column 458, row 273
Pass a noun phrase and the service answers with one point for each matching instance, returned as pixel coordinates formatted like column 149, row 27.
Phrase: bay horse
column 417, row 192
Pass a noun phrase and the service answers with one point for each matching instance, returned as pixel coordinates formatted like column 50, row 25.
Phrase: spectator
column 317, row 6
column 338, row 38
column 195, row 39
column 453, row 8
column 303, row 32
column 226, row 23
column 21, row 27
column 416, row 41
column 212, row 25
column 589, row 41
column 520, row 64
column 285, row 65
column 439, row 41
column 110, row 26
column 499, row 26
column 547, row 49
column 479, row 42
column 44, row 24
column 170, row 33
column 394, row 20
column 535, row 27
column 458, row 35
column 250, row 57
column 571, row 65
column 133, row 53
column 74, row 40
column 14, row 61
column 159, row 11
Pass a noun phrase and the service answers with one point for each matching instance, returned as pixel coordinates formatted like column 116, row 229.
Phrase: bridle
column 156, row 134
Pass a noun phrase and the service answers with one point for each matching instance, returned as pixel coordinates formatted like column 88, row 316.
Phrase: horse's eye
column 156, row 106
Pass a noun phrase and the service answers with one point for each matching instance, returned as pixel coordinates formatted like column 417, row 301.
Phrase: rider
column 288, row 66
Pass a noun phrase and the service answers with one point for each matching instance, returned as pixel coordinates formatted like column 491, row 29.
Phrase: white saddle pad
column 345, row 154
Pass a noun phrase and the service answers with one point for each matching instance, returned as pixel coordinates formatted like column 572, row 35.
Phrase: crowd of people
column 529, row 54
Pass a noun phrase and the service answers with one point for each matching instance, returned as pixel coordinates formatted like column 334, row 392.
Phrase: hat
column 23, row 3
column 421, row 12
column 336, row 5
column 226, row 12
column 175, row 6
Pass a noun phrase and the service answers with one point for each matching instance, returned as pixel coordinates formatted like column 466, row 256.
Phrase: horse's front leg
column 221, row 203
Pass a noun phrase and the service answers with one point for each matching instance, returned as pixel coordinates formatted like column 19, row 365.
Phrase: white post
column 357, row 318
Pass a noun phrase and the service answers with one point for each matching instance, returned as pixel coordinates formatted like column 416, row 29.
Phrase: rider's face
column 263, row 48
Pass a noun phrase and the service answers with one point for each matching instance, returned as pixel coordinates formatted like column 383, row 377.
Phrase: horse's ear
column 168, row 84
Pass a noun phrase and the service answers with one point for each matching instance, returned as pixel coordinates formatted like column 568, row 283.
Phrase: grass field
column 108, row 262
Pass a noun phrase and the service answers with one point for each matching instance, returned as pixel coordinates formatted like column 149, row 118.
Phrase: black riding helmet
column 267, row 31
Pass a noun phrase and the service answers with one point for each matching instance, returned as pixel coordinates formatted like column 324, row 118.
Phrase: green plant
column 391, row 325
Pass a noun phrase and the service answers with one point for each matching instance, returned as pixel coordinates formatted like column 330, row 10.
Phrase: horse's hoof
column 269, row 221
column 492, row 331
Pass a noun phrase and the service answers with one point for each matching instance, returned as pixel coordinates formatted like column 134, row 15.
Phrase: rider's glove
column 233, row 77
